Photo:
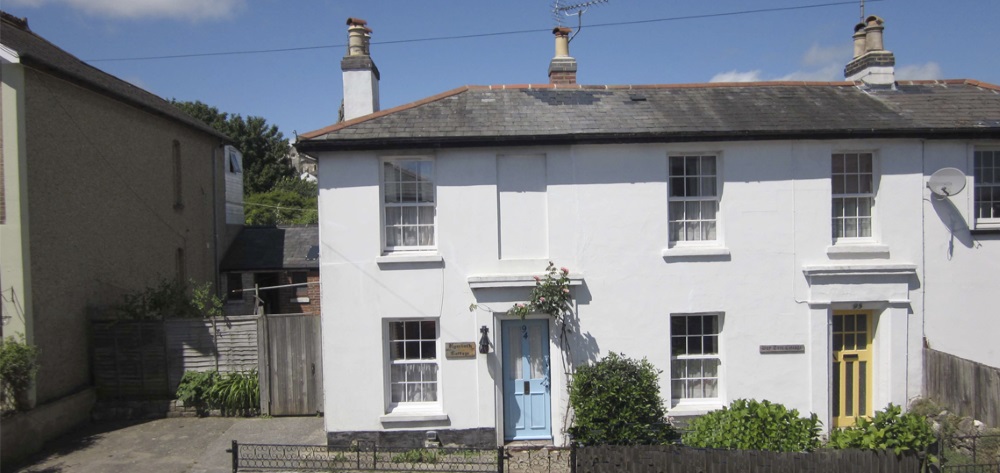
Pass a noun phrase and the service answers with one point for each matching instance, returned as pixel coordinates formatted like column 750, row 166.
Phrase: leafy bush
column 888, row 430
column 18, row 365
column 195, row 388
column 170, row 299
column 233, row 393
column 753, row 425
column 616, row 401
column 237, row 391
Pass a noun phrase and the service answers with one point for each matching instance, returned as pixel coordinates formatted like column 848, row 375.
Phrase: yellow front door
column 852, row 366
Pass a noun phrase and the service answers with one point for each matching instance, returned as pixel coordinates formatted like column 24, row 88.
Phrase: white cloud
column 823, row 63
column 825, row 55
column 132, row 9
column 931, row 70
column 736, row 76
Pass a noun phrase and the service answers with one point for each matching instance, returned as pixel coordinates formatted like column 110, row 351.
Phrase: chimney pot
column 873, row 33
column 562, row 68
column 859, row 40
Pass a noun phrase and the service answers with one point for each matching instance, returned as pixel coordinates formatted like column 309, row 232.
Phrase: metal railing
column 969, row 454
column 363, row 457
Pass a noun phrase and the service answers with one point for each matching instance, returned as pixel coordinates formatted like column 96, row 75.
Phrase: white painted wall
column 360, row 94
column 606, row 211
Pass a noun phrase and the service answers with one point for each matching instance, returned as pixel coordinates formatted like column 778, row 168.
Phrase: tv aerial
column 946, row 182
column 561, row 10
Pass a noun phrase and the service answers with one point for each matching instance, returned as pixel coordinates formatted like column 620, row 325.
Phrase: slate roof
column 273, row 248
column 547, row 114
column 36, row 52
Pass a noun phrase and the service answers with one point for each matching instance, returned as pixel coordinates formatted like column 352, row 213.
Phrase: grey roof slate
column 273, row 248
column 481, row 116
column 38, row 53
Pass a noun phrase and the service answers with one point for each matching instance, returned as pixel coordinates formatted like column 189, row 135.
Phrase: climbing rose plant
column 550, row 295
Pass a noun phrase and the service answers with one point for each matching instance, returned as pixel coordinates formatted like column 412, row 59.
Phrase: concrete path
column 181, row 445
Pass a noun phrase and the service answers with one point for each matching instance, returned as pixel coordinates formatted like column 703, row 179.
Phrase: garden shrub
column 238, row 391
column 234, row 393
column 888, row 430
column 195, row 387
column 754, row 425
column 18, row 365
column 616, row 401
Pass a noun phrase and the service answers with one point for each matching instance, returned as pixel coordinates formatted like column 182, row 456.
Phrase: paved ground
column 183, row 445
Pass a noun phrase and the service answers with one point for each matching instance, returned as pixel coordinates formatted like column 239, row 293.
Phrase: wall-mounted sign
column 766, row 349
column 461, row 350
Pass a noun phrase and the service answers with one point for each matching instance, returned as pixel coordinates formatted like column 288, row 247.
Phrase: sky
column 621, row 42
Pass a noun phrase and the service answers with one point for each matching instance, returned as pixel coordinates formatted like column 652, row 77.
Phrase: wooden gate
column 291, row 364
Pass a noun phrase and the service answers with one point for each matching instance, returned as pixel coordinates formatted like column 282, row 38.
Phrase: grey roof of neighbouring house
column 547, row 114
column 36, row 52
column 273, row 248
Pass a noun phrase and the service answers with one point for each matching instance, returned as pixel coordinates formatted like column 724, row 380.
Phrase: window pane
column 851, row 163
column 694, row 346
column 838, row 164
column 677, row 369
column 677, row 187
column 426, row 192
column 711, row 368
column 695, row 389
column 711, row 344
column 708, row 165
column 676, row 166
column 391, row 192
column 851, row 228
column 852, row 184
column 708, row 186
column 676, row 231
column 678, row 346
column 691, row 165
column 677, row 211
column 865, row 227
column 866, row 183
column 691, row 231
column 694, row 369
column 708, row 209
column 676, row 389
column 692, row 188
column 708, row 231
column 678, row 326
column 692, row 211
column 711, row 388
column 411, row 330
column 694, row 325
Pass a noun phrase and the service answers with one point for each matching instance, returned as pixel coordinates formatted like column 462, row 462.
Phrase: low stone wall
column 538, row 460
column 26, row 432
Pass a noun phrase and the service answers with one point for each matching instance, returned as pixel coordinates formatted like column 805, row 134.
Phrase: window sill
column 299, row 300
column 687, row 407
column 858, row 250
column 413, row 416
column 514, row 280
column 713, row 252
column 410, row 257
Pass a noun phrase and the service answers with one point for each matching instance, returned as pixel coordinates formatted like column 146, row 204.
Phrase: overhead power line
column 479, row 35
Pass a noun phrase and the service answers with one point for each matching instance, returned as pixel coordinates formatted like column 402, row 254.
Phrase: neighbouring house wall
column 777, row 283
column 962, row 317
column 104, row 214
column 14, row 252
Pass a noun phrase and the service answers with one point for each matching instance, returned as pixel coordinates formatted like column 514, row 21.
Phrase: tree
column 290, row 201
column 265, row 149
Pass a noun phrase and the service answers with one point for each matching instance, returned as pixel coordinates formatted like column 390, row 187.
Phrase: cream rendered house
column 755, row 240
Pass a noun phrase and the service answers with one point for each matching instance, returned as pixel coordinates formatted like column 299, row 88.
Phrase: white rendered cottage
column 757, row 240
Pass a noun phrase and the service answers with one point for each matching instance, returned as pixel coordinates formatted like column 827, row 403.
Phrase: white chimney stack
column 360, row 74
column 872, row 64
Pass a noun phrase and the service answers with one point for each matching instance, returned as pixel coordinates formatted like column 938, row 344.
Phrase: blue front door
column 526, row 398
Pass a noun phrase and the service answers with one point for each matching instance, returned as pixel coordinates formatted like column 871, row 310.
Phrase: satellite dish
column 946, row 182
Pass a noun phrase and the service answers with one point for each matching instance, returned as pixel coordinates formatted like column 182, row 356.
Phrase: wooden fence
column 972, row 389
column 146, row 360
column 668, row 458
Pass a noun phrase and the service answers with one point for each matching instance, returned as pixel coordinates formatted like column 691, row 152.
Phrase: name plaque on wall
column 462, row 350
column 767, row 349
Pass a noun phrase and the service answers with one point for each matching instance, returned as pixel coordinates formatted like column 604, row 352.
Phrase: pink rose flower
column 566, row 290
column 541, row 299
column 537, row 278
column 565, row 270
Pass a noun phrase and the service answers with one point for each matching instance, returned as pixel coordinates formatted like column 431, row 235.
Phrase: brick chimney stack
column 872, row 64
column 562, row 68
column 360, row 74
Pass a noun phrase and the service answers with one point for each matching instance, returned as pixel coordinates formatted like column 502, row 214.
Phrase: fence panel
column 669, row 459
column 145, row 360
column 972, row 389
column 128, row 360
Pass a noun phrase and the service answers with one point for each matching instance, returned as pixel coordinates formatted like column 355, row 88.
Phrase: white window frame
column 993, row 222
column 383, row 206
column 717, row 199
column 677, row 359
column 393, row 406
column 872, row 237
